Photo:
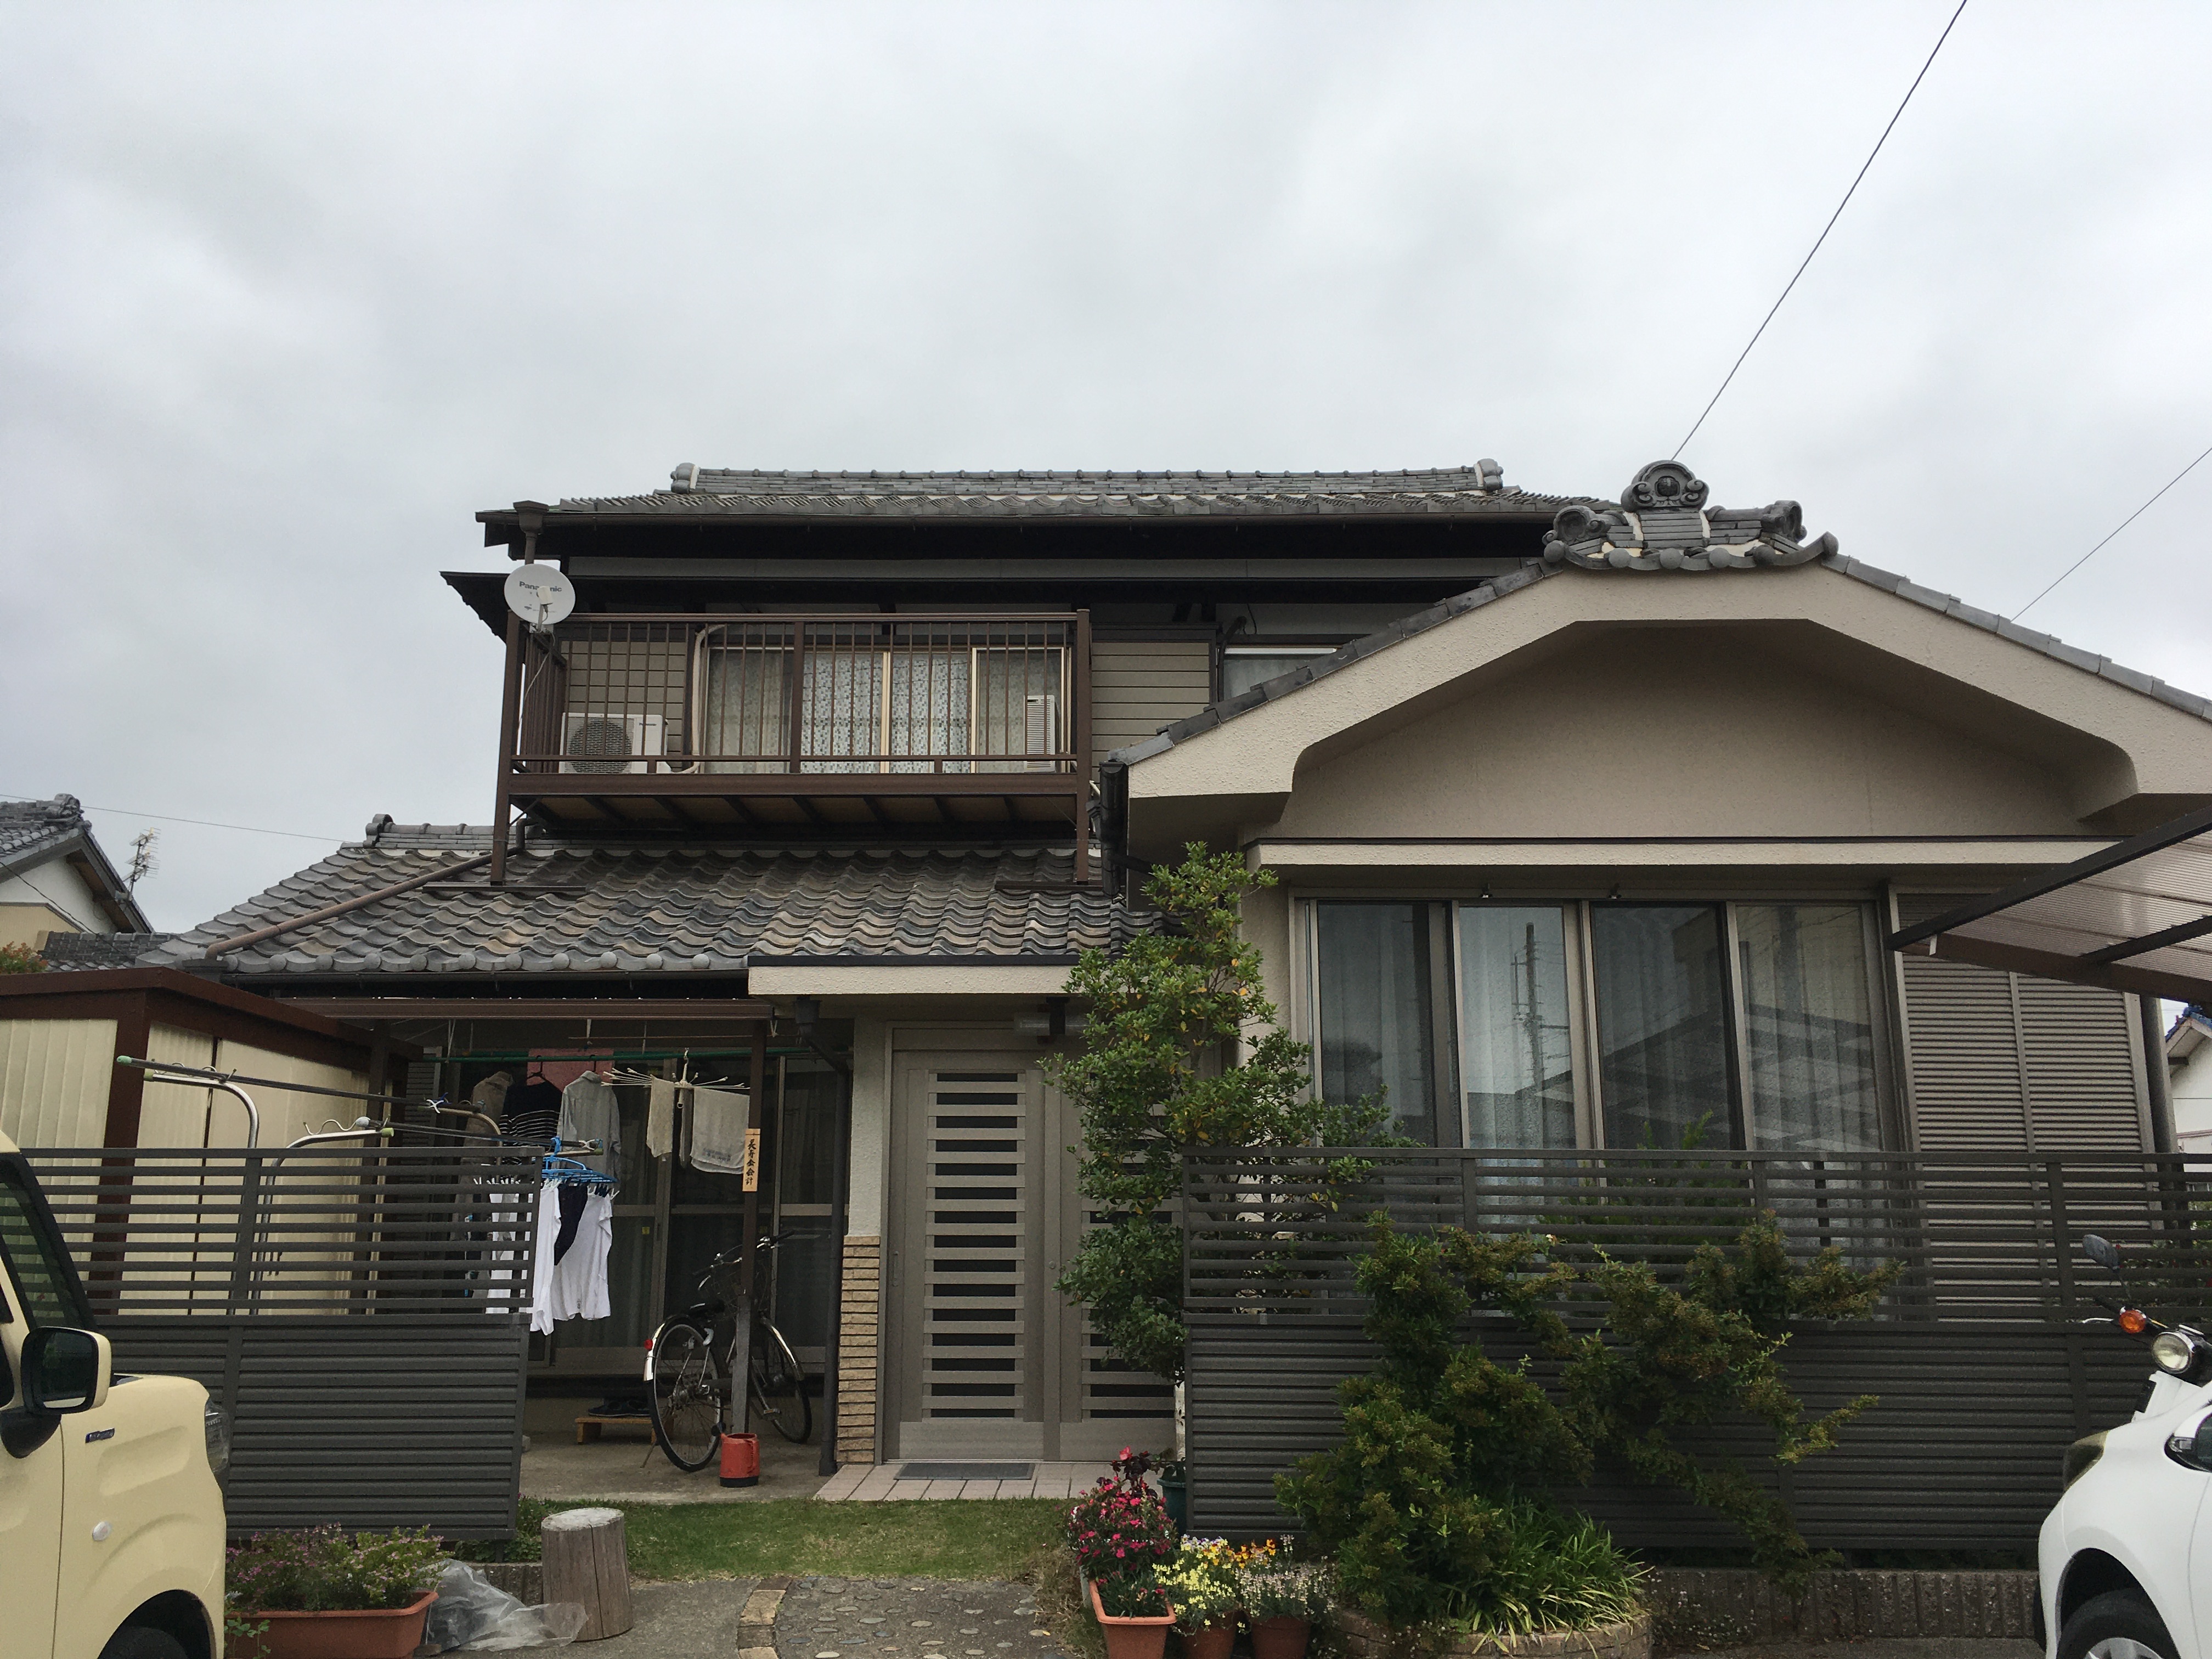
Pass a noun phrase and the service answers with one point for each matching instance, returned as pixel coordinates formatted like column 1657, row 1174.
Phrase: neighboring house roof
column 82, row 951
column 2190, row 1033
column 711, row 492
column 1725, row 541
column 598, row 909
column 39, row 832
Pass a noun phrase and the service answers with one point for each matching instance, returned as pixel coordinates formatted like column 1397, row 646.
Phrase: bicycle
column 690, row 1386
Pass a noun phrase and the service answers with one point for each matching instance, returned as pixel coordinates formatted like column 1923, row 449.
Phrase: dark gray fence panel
column 1983, row 1373
column 1962, row 1452
column 362, row 1316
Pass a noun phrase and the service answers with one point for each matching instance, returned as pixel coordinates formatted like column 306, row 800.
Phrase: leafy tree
column 1181, row 1048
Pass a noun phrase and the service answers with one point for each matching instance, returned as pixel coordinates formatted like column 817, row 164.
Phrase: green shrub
column 1133, row 1595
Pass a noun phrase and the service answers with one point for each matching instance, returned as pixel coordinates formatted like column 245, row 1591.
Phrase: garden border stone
column 1629, row 1638
column 1730, row 1606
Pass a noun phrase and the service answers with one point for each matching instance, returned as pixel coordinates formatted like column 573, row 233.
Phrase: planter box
column 1131, row 1638
column 363, row 1633
column 1629, row 1639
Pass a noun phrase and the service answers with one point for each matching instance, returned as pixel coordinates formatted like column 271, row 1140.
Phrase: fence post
column 246, row 1249
column 2077, row 1373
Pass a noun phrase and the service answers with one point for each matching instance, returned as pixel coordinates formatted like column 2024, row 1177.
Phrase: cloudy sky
column 286, row 292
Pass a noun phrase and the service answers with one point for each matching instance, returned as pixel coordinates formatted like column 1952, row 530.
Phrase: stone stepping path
column 910, row 1619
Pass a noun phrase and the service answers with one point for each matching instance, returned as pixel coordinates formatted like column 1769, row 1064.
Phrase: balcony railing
column 805, row 720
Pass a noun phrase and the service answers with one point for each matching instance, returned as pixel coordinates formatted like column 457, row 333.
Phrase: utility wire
column 1825, row 229
column 205, row 823
column 2092, row 553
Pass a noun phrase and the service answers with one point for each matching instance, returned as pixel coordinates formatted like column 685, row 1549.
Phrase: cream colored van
column 111, row 1517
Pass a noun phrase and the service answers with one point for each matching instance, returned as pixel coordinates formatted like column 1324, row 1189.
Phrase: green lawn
column 949, row 1539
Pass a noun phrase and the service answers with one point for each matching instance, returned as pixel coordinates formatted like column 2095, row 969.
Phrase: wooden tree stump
column 587, row 1561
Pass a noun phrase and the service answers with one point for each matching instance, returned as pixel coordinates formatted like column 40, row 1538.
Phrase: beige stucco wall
column 50, row 899
column 1891, row 713
column 53, row 1080
column 1674, row 732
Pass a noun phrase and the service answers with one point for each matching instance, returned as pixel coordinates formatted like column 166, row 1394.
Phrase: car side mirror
column 2102, row 1252
column 66, row 1370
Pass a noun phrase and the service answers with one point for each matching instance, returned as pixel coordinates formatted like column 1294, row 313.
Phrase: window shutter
column 2006, row 1062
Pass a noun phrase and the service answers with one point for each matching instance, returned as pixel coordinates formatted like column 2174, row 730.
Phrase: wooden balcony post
column 797, row 691
column 510, row 710
column 1079, row 741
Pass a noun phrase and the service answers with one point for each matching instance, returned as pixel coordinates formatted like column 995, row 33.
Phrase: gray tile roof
column 76, row 951
column 30, row 827
column 716, row 492
column 1499, row 586
column 662, row 909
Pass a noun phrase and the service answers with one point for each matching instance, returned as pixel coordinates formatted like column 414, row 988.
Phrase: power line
column 2122, row 525
column 205, row 823
column 1825, row 229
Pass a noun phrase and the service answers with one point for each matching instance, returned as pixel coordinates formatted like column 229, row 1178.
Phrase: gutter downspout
column 2157, row 1076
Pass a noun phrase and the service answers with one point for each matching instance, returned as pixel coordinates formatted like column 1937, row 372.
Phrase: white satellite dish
column 540, row 594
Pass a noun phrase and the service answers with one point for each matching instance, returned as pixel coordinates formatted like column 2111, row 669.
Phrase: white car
column 2126, row 1553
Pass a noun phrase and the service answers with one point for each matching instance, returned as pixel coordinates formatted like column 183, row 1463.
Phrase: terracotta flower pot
column 361, row 1633
column 1132, row 1638
column 1211, row 1641
column 1281, row 1639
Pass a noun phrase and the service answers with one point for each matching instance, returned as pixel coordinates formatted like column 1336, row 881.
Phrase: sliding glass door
column 1516, row 1030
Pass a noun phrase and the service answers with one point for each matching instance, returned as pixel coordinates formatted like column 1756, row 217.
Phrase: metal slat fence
column 1983, row 1372
column 362, row 1315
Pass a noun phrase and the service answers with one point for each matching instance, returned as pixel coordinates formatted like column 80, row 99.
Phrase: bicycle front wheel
column 779, row 1387
column 687, row 1395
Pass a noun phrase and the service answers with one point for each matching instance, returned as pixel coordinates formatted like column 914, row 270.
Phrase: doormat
column 966, row 1471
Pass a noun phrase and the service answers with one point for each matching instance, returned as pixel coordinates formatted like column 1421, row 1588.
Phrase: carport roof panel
column 2141, row 906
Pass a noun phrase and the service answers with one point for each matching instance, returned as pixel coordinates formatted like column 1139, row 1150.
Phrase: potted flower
column 1283, row 1599
column 321, row 1595
column 1120, row 1526
column 1200, row 1582
column 1133, row 1611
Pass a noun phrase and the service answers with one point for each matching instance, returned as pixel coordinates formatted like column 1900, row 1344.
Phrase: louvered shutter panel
column 2006, row 1062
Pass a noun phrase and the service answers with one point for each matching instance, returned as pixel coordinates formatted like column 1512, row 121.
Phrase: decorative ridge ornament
column 1662, row 523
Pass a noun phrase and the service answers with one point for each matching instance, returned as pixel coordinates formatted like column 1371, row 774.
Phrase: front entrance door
column 981, row 1345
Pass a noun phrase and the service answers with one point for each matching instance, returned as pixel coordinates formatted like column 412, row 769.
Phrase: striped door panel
column 977, row 1323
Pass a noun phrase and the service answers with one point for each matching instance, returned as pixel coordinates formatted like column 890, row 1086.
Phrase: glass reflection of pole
column 1533, row 1020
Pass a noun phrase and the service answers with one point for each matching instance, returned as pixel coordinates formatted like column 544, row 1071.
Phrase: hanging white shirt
column 580, row 1278
column 541, row 1264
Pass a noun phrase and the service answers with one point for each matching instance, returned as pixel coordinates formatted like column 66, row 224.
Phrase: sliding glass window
column 1663, row 1064
column 1524, row 1025
column 1377, row 991
column 1516, row 1053
column 1809, row 1027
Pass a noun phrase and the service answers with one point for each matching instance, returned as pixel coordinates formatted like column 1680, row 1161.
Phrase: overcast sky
column 288, row 291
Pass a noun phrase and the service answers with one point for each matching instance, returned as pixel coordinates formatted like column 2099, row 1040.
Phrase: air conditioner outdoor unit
column 610, row 743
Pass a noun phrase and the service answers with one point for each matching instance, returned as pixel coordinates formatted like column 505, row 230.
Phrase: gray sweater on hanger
column 589, row 1112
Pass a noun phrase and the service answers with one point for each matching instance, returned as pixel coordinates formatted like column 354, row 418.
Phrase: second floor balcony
column 906, row 722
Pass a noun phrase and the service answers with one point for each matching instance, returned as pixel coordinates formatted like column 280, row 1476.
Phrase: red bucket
column 741, row 1460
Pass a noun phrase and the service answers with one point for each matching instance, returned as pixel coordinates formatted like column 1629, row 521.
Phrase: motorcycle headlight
column 217, row 1422
column 2081, row 1456
column 2174, row 1351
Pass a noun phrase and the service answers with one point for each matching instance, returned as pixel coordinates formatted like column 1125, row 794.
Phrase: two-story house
column 1588, row 817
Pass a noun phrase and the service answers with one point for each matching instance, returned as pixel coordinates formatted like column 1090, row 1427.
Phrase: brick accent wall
column 860, row 1348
